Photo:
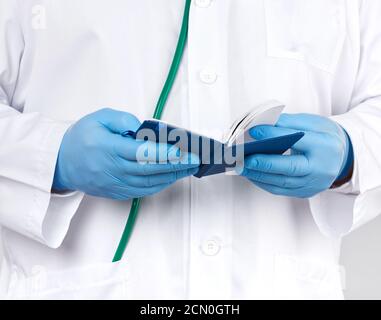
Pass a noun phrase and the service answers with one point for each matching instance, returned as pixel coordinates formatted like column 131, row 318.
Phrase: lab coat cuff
column 367, row 174
column 338, row 214
column 49, row 220
column 59, row 214
column 353, row 185
column 339, row 211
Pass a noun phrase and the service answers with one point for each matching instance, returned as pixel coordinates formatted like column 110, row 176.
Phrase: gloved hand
column 323, row 156
column 96, row 159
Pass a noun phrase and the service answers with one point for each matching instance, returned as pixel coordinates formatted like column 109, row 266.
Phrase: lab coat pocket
column 304, row 278
column 98, row 281
column 310, row 31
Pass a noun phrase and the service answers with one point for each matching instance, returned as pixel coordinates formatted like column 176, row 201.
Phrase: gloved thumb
column 118, row 121
column 264, row 132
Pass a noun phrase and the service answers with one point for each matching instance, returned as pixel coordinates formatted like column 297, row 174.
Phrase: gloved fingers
column 126, row 193
column 288, row 165
column 145, row 151
column 158, row 179
column 262, row 132
column 277, row 180
column 140, row 192
column 267, row 132
column 293, row 193
column 117, row 121
column 186, row 162
column 306, row 122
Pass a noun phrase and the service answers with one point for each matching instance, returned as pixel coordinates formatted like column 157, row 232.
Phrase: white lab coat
column 218, row 237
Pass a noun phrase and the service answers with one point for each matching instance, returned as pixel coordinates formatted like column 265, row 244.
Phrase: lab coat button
column 208, row 76
column 210, row 248
column 203, row 3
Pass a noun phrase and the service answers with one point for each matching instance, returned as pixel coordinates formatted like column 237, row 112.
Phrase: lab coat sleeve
column 29, row 145
column 338, row 212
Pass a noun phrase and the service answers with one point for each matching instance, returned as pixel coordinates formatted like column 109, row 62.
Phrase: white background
column 361, row 257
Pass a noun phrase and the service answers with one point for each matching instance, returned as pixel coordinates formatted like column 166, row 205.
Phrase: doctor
column 67, row 176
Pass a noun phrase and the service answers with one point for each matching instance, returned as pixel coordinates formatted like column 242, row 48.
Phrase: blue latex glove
column 323, row 156
column 96, row 159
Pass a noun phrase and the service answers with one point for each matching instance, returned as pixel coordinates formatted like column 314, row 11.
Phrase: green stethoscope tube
column 157, row 115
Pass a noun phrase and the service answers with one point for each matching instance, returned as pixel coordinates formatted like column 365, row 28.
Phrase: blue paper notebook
column 218, row 157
